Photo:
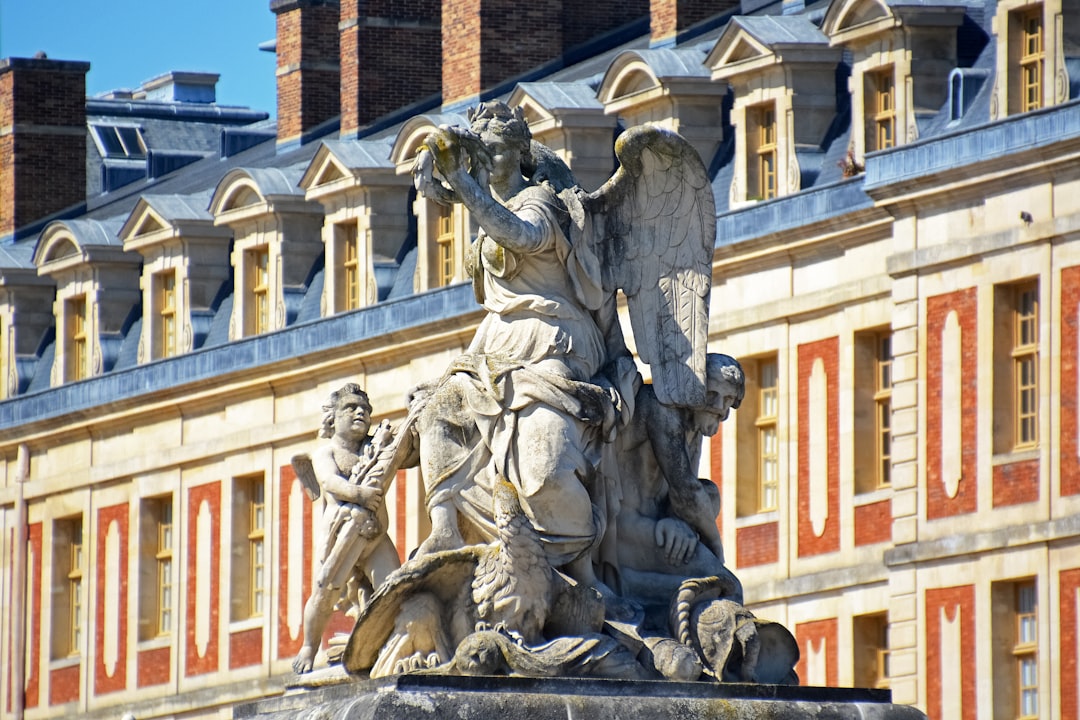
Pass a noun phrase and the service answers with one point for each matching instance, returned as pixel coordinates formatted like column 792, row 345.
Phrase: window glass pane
column 131, row 140
column 109, row 140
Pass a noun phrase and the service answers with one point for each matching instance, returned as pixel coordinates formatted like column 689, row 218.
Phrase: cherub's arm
column 335, row 483
column 686, row 496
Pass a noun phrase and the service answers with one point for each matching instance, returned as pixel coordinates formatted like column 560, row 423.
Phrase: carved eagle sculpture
column 506, row 585
column 653, row 227
column 512, row 584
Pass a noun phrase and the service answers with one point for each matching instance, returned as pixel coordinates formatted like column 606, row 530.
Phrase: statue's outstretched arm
column 512, row 232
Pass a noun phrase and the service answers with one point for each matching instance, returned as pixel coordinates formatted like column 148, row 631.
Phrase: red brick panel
column 338, row 624
column 1070, row 678
column 153, row 667
column 287, row 645
column 757, row 544
column 828, row 351
column 938, row 503
column 64, row 685
column 716, row 471
column 811, row 636
column 873, row 523
column 209, row 493
column 245, row 648
column 951, row 600
column 1070, row 385
column 102, row 682
column 1016, row 483
column 33, row 629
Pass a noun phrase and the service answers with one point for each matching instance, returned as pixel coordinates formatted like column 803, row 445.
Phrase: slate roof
column 782, row 30
column 563, row 95
column 185, row 193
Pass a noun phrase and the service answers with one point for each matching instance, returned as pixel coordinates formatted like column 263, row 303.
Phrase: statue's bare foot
column 304, row 661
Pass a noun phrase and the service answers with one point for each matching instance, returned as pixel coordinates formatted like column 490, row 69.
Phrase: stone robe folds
column 531, row 383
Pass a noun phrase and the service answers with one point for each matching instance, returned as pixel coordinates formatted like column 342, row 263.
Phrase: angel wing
column 655, row 227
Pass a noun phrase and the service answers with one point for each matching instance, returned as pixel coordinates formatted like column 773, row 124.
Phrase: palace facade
column 897, row 267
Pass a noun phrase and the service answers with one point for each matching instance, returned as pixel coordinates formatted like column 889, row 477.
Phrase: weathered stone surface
column 428, row 697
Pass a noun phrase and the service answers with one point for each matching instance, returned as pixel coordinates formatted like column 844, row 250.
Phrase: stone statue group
column 570, row 534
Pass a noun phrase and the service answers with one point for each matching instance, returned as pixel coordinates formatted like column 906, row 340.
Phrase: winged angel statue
column 519, row 441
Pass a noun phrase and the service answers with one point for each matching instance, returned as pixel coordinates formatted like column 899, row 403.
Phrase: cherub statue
column 356, row 553
column 547, row 381
column 666, row 529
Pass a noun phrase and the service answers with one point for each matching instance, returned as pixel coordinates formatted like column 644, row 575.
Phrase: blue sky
column 129, row 41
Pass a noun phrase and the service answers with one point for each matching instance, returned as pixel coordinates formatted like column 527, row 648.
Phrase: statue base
column 432, row 697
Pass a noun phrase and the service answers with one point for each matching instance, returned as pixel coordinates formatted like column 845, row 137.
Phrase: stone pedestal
column 416, row 697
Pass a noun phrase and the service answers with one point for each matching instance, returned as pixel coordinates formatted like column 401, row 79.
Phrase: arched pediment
column 63, row 240
column 844, row 16
column 60, row 247
column 414, row 131
column 629, row 74
column 237, row 190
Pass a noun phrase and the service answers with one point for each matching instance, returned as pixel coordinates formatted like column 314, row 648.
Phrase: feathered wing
column 654, row 224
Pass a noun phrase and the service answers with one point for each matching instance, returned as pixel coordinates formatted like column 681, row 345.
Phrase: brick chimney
column 488, row 43
column 308, row 70
column 672, row 17
column 42, row 140
column 391, row 57
column 585, row 22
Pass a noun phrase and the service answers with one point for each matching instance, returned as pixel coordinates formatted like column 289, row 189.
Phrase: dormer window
column 762, row 168
column 1026, row 26
column 119, row 141
column 349, row 267
column 880, row 95
column 78, row 356
column 777, row 68
column 445, row 266
column 442, row 233
column 1032, row 66
column 258, row 266
column 166, row 301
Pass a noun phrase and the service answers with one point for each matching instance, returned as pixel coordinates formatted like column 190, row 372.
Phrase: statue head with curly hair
column 332, row 405
column 496, row 119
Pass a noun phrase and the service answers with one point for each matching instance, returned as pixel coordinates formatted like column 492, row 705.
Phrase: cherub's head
column 347, row 412
column 725, row 386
